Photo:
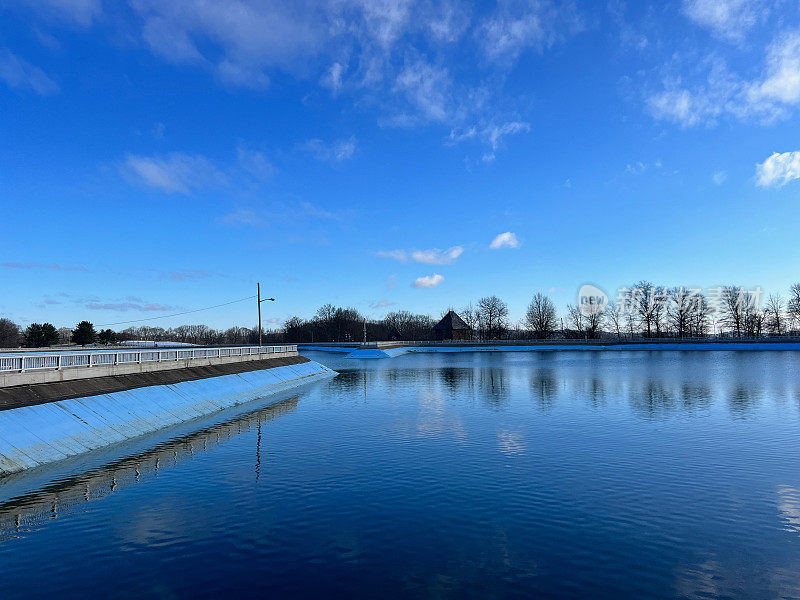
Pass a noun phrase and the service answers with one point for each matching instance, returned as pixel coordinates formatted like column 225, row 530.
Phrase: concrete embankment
column 48, row 422
column 390, row 351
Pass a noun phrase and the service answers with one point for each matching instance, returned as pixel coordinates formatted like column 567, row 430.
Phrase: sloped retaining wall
column 31, row 436
column 701, row 346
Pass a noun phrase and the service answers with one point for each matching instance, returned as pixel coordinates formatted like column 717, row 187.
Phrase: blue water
column 486, row 475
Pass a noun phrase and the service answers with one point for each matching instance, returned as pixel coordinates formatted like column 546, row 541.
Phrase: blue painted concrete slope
column 35, row 435
column 717, row 346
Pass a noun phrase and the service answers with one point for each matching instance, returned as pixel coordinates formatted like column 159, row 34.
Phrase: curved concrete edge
column 701, row 347
column 32, row 436
column 716, row 346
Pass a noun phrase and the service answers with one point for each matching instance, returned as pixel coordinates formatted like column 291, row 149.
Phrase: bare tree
column 775, row 319
column 700, row 316
column 793, row 304
column 468, row 315
column 10, row 334
column 575, row 319
column 64, row 336
column 593, row 323
column 643, row 302
column 541, row 316
column 492, row 315
column 613, row 316
column 732, row 316
column 682, row 308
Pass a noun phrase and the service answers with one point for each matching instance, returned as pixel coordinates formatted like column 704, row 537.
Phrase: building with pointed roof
column 452, row 327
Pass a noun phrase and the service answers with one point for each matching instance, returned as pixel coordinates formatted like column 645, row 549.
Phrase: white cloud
column 243, row 217
column 517, row 26
column 505, row 240
column 393, row 56
column 782, row 81
column 765, row 99
column 778, row 169
column 730, row 19
column 79, row 12
column 333, row 78
column 428, row 281
column 336, row 151
column 381, row 304
column 278, row 213
column 719, row 177
column 229, row 35
column 426, row 87
column 254, row 163
column 18, row 73
column 173, row 173
column 136, row 305
column 399, row 255
column 183, row 173
column 491, row 135
column 433, row 256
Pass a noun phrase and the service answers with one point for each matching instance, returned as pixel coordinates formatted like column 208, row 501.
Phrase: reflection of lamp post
column 259, row 312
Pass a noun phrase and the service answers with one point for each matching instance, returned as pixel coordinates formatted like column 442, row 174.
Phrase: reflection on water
column 19, row 515
column 559, row 474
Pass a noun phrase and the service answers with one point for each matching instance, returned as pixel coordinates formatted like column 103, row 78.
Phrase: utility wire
column 177, row 314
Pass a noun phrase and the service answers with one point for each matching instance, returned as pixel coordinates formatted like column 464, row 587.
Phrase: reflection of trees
column 493, row 387
column 458, row 381
column 696, row 396
column 543, row 384
column 742, row 399
column 21, row 513
column 655, row 399
column 347, row 381
column 652, row 399
column 596, row 390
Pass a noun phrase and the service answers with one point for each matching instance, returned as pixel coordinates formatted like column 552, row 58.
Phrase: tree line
column 642, row 310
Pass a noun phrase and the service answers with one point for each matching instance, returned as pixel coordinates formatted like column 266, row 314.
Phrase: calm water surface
column 562, row 474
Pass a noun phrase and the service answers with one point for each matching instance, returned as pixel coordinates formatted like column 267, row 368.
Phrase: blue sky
column 164, row 155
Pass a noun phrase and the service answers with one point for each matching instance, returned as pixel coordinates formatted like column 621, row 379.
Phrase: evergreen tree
column 107, row 336
column 84, row 334
column 40, row 336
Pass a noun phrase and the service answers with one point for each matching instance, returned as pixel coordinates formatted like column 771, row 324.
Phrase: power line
column 176, row 314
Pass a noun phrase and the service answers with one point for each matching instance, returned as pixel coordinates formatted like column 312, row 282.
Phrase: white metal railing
column 38, row 361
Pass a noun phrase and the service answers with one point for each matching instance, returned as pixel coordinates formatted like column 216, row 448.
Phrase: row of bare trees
column 649, row 310
column 643, row 310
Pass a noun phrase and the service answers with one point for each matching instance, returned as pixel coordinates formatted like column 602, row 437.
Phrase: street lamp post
column 258, row 295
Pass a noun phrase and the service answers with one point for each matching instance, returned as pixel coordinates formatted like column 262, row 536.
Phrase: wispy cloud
column 505, row 240
column 719, row 92
column 381, row 304
column 77, row 12
column 428, row 281
column 719, row 177
column 393, row 57
column 280, row 213
column 729, row 19
column 433, row 256
column 19, row 73
column 130, row 306
column 182, row 173
column 778, row 169
column 517, row 26
column 336, row 151
column 186, row 275
column 490, row 135
column 174, row 173
column 426, row 87
column 35, row 265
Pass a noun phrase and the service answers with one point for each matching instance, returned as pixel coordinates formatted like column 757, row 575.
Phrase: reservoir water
column 553, row 474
